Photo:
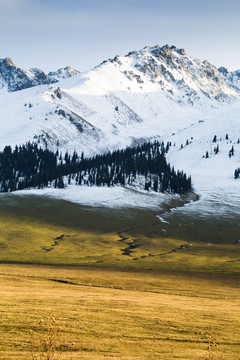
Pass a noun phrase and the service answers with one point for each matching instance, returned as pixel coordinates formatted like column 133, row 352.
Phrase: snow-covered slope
column 210, row 151
column 157, row 92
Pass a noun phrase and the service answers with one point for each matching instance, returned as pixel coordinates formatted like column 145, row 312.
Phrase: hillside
column 155, row 93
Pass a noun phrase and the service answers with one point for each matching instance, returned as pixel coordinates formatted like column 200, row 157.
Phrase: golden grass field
column 158, row 301
column 111, row 314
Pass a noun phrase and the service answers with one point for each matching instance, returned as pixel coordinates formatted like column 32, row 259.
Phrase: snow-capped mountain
column 63, row 73
column 13, row 78
column 155, row 93
column 145, row 94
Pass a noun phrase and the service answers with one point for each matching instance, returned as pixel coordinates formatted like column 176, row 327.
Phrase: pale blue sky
column 82, row 33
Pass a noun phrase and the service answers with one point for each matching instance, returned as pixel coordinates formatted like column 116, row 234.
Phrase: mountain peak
column 13, row 78
column 182, row 77
column 7, row 62
column 166, row 50
column 63, row 73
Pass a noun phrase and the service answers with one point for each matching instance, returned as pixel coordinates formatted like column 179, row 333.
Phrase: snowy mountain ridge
column 174, row 70
column 144, row 95
column 155, row 93
column 13, row 78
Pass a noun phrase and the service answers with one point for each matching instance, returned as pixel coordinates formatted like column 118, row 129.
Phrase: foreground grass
column 111, row 314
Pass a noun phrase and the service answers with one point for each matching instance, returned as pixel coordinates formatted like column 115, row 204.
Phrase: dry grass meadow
column 109, row 314
column 70, row 290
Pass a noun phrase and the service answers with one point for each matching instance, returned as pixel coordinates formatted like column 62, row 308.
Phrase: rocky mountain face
column 13, row 78
column 182, row 77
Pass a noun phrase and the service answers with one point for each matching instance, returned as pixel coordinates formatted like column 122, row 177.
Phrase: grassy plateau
column 95, row 283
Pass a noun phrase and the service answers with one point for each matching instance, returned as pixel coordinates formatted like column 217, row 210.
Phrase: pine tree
column 214, row 139
column 237, row 173
column 216, row 149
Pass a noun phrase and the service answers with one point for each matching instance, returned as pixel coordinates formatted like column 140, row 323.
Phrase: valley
column 123, row 279
column 41, row 230
column 122, row 272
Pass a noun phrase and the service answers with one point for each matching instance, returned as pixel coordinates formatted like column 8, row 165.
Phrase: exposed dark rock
column 58, row 93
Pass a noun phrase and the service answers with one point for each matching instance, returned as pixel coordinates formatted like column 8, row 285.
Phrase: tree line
column 29, row 166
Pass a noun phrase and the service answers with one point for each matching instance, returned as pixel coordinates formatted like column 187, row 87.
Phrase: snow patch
column 114, row 197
